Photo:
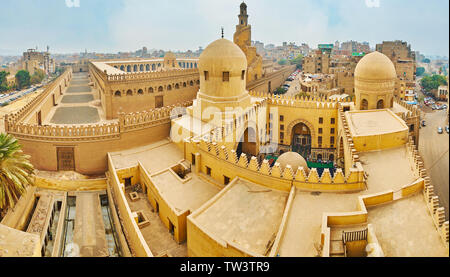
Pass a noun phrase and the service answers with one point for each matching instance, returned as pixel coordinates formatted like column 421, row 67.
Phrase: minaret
column 243, row 16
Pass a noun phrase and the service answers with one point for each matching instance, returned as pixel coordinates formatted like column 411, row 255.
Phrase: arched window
column 380, row 104
column 184, row 84
column 169, row 87
column 140, row 91
column 129, row 92
column 364, row 104
column 159, row 65
column 198, row 82
column 147, row 67
column 177, row 86
column 141, row 68
column 150, row 90
column 191, row 83
column 135, row 68
column 153, row 67
column 117, row 93
column 191, row 65
column 129, row 68
column 195, row 65
column 160, row 89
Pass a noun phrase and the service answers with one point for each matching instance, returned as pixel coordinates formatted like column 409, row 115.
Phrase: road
column 433, row 148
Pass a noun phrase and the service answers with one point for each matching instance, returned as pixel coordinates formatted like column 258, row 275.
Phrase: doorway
column 127, row 182
column 159, row 102
column 171, row 227
column 66, row 158
column 39, row 118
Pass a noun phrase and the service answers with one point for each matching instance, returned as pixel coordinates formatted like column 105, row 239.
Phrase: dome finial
column 222, row 32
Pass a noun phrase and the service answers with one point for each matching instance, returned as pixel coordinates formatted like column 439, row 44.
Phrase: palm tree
column 15, row 172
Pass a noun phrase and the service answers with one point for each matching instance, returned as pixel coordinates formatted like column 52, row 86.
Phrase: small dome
column 293, row 159
column 375, row 66
column 169, row 55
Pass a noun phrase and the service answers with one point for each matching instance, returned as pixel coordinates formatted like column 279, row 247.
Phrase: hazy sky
column 124, row 25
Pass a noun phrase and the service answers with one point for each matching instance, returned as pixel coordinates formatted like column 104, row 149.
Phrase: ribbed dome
column 375, row 66
column 293, row 159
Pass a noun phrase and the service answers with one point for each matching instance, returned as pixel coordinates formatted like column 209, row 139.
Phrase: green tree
column 282, row 62
column 3, row 83
column 15, row 172
column 426, row 61
column 420, row 71
column 433, row 82
column 23, row 79
column 280, row 91
column 37, row 76
column 298, row 61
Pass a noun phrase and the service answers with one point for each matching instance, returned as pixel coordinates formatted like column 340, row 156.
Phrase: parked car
column 423, row 123
column 440, row 131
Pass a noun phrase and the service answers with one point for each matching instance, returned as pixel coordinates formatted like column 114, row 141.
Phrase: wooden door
column 66, row 158
column 159, row 102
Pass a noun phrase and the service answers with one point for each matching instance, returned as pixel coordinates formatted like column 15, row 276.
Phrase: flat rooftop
column 154, row 157
column 387, row 169
column 304, row 223
column 374, row 122
column 405, row 229
column 184, row 196
column 246, row 214
column 15, row 243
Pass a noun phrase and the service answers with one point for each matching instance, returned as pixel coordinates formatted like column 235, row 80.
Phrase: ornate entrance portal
column 301, row 140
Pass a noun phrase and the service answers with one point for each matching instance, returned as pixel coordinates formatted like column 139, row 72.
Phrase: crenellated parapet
column 432, row 200
column 134, row 76
column 300, row 101
column 350, row 146
column 126, row 123
column 253, row 170
column 132, row 121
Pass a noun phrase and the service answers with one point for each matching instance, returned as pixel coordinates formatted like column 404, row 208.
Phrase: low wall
column 71, row 185
column 166, row 211
column 361, row 215
column 19, row 216
column 91, row 143
column 134, row 236
column 276, row 80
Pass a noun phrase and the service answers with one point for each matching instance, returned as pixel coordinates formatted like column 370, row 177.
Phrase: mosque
column 239, row 173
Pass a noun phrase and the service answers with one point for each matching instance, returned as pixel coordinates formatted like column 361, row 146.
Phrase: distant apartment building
column 405, row 64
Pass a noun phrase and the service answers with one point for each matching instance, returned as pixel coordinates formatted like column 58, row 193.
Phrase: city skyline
column 127, row 25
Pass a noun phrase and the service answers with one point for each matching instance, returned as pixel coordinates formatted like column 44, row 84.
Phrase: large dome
column 375, row 66
column 222, row 68
column 293, row 159
column 223, row 55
